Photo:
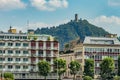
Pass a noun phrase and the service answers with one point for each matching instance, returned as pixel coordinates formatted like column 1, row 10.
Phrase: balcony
column 55, row 48
column 32, row 70
column 49, row 55
column 33, row 55
column 48, row 48
column 40, row 48
column 33, row 47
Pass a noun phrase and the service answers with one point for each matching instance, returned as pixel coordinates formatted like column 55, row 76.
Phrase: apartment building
column 98, row 48
column 20, row 53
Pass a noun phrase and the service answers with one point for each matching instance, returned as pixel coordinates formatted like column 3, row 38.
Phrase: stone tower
column 76, row 17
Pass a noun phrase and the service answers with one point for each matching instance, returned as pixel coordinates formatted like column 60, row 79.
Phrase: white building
column 20, row 53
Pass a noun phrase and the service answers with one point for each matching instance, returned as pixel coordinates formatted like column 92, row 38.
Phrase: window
column 1, row 36
column 18, row 44
column 24, row 37
column 25, row 52
column 0, row 51
column 20, row 37
column 25, row 44
column 40, row 52
column 1, row 66
column 10, row 59
column 17, row 51
column 16, row 37
column 17, row 67
column 2, row 44
column 25, row 67
column 10, row 66
column 10, row 51
column 17, row 59
column 10, row 44
column 25, row 59
column 2, row 59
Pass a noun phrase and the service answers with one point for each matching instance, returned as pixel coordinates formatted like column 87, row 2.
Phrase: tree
column 89, row 68
column 107, row 68
column 117, row 78
column 87, row 78
column 8, row 76
column 74, row 68
column 44, row 68
column 119, row 65
column 60, row 67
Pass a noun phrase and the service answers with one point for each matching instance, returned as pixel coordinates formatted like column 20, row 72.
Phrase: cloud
column 110, row 24
column 49, row 5
column 11, row 4
column 114, row 2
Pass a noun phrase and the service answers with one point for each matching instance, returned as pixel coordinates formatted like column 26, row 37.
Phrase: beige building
column 98, row 48
column 76, row 55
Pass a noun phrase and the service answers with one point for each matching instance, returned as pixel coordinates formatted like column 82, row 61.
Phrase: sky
column 33, row 14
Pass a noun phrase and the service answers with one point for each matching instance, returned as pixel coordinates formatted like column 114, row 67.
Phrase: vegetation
column 74, row 68
column 89, row 68
column 107, row 68
column 72, row 30
column 60, row 67
column 87, row 78
column 118, row 38
column 8, row 76
column 116, row 78
column 44, row 68
column 119, row 65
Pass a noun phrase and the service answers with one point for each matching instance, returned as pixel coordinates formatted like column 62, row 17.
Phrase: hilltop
column 72, row 30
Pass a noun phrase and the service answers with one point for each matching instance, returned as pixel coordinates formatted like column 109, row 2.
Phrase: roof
column 100, row 40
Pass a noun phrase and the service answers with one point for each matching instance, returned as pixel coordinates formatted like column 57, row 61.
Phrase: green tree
column 74, row 68
column 119, row 65
column 89, row 68
column 8, row 76
column 87, row 78
column 60, row 67
column 44, row 68
column 107, row 68
column 117, row 78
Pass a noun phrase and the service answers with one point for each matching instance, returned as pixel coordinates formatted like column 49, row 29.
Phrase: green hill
column 72, row 30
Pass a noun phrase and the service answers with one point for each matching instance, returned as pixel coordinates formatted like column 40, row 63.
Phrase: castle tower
column 76, row 17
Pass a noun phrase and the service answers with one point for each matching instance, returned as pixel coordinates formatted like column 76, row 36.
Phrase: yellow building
column 12, row 30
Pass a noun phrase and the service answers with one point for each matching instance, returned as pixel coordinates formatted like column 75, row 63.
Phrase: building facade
column 20, row 53
column 98, row 48
column 77, row 55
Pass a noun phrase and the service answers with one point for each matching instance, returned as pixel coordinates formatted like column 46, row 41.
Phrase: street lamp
column 94, row 63
column 2, row 74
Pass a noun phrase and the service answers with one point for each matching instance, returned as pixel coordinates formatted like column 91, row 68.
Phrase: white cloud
column 110, row 24
column 11, row 4
column 114, row 2
column 49, row 5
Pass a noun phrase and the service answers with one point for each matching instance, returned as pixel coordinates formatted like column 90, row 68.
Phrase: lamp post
column 94, row 63
column 2, row 74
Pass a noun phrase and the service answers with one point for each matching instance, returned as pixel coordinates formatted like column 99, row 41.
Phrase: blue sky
column 46, row 13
